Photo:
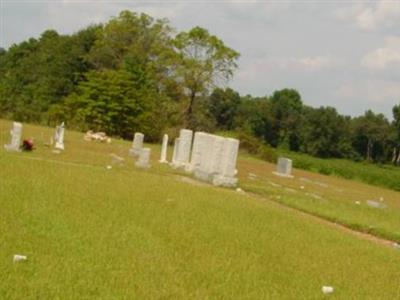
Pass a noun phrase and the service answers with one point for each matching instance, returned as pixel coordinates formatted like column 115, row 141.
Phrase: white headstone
column 144, row 158
column 174, row 161
column 198, row 145
column 183, row 151
column 227, row 167
column 137, row 144
column 164, row 148
column 204, row 151
column 284, row 167
column 185, row 145
column 16, row 133
column 59, row 137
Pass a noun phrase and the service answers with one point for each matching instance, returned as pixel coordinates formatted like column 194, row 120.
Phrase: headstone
column 227, row 167
column 15, row 142
column 185, row 145
column 204, row 169
column 144, row 158
column 183, row 150
column 59, row 137
column 284, row 167
column 175, row 152
column 137, row 144
column 198, row 145
column 164, row 148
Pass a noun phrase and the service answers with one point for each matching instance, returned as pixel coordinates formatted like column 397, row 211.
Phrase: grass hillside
column 124, row 233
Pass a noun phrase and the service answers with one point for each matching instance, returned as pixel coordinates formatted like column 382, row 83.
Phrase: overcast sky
column 335, row 53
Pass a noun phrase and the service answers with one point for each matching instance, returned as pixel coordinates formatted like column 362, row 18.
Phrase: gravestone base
column 203, row 176
column 177, row 165
column 134, row 152
column 189, row 168
column 12, row 148
column 283, row 175
column 59, row 146
column 225, row 181
column 142, row 165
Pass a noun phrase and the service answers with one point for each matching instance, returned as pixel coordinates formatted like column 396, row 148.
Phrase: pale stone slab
column 182, row 152
column 16, row 133
column 198, row 147
column 175, row 152
column 59, row 137
column 227, row 167
column 164, row 148
column 185, row 145
column 203, row 171
column 137, row 144
column 284, row 167
column 144, row 158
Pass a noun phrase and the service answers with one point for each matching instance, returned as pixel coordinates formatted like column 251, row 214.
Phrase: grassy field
column 380, row 175
column 125, row 233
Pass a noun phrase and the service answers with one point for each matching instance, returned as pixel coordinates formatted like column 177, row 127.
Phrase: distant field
column 126, row 233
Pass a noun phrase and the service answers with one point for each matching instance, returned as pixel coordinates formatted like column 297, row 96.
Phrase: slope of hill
column 123, row 233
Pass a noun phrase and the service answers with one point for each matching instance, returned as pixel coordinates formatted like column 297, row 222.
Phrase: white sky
column 338, row 53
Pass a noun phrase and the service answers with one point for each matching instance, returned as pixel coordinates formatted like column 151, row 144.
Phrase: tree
column 396, row 135
column 286, row 110
column 204, row 62
column 326, row 133
column 370, row 135
column 223, row 105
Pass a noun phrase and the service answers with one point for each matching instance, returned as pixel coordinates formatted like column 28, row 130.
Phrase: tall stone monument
column 183, row 150
column 225, row 176
column 197, row 149
column 59, row 137
column 175, row 152
column 164, row 148
column 16, row 133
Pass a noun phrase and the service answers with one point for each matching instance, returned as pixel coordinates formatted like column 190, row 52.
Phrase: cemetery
column 137, row 187
column 145, row 157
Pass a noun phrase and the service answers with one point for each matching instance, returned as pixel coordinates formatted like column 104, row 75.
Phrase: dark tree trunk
column 189, row 110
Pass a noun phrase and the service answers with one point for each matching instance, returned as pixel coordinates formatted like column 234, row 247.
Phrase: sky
column 344, row 54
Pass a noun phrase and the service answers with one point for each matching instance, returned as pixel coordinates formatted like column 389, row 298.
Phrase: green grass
column 380, row 175
column 383, row 175
column 125, row 233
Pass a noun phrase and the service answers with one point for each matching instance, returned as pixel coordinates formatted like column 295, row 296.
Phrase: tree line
column 137, row 73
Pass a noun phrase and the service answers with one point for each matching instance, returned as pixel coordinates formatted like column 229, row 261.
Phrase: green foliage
column 223, row 105
column 254, row 146
column 370, row 135
column 39, row 73
column 326, row 133
column 204, row 61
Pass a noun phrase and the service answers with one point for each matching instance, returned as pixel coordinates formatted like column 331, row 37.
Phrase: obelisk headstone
column 164, row 148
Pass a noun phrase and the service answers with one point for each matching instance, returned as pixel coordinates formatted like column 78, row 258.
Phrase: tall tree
column 205, row 62
column 396, row 135
column 370, row 135
column 286, row 109
column 325, row 133
column 223, row 105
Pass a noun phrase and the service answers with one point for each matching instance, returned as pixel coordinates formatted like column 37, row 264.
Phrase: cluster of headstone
column 137, row 150
column 284, row 167
column 208, row 157
column 16, row 136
